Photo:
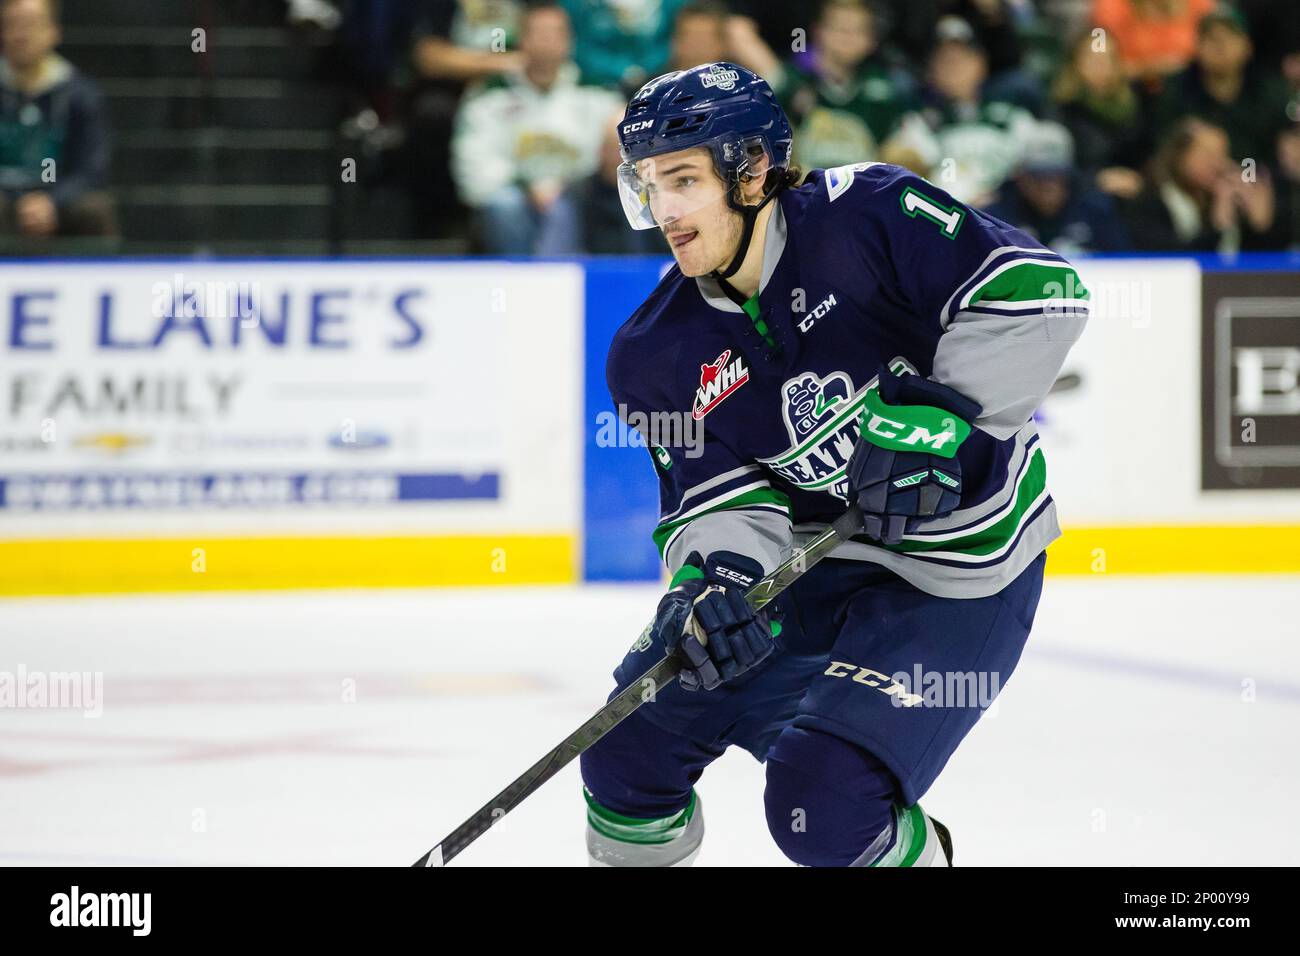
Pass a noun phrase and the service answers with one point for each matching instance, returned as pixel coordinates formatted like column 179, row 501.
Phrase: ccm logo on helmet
column 634, row 127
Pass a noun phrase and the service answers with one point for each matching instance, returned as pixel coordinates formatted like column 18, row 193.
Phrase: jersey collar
column 773, row 247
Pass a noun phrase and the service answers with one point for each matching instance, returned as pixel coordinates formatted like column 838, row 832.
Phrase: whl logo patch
column 718, row 379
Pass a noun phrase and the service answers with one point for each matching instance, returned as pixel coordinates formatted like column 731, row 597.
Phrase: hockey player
column 861, row 338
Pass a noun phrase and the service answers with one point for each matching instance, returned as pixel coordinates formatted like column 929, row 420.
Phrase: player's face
column 688, row 200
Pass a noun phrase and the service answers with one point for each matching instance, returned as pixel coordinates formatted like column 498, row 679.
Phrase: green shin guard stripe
column 910, row 839
column 616, row 826
column 918, row 836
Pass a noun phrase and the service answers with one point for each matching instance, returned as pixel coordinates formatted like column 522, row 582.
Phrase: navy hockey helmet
column 722, row 107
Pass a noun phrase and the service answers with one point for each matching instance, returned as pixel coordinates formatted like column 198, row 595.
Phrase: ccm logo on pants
column 881, row 682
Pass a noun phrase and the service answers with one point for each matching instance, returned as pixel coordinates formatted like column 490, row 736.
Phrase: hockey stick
column 640, row 691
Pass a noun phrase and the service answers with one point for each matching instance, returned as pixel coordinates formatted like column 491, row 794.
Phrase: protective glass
column 662, row 189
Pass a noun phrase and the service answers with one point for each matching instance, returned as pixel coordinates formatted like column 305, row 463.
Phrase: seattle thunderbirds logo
column 720, row 77
column 821, row 416
column 811, row 401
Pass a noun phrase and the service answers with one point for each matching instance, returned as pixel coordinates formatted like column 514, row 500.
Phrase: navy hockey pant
column 873, row 687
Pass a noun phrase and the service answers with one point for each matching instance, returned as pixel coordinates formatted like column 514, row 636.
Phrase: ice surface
column 1147, row 720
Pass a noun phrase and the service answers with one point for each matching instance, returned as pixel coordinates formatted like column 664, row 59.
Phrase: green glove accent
column 919, row 428
column 687, row 572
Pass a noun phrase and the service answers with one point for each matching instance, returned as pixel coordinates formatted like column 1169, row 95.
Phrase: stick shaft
column 640, row 691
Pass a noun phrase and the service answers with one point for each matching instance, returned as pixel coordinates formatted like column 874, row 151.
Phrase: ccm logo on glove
column 705, row 620
column 904, row 469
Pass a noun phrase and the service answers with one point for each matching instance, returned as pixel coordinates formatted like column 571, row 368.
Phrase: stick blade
column 432, row 858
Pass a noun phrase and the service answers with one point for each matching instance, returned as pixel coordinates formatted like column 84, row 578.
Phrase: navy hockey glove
column 904, row 467
column 705, row 620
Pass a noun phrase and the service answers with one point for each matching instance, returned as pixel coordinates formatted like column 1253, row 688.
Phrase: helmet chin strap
column 750, row 214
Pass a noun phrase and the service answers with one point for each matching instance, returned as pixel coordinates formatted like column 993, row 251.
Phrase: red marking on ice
column 179, row 749
column 224, row 690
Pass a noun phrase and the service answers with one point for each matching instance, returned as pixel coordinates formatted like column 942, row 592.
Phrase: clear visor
column 660, row 190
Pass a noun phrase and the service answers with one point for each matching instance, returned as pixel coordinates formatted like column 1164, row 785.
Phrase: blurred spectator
column 1199, row 200
column 374, row 44
column 1155, row 37
column 699, row 35
column 1275, row 31
column 1104, row 115
column 763, row 32
column 455, row 42
column 1051, row 201
column 522, row 138
column 313, row 13
column 589, row 217
column 911, row 25
column 622, row 43
column 842, row 99
column 464, row 40
column 1288, row 188
column 1066, row 17
column 1224, row 88
column 970, row 143
column 54, row 138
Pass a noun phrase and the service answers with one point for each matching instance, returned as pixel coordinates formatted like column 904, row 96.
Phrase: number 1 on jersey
column 918, row 204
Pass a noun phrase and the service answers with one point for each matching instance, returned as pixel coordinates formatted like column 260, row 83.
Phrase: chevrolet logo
column 112, row 442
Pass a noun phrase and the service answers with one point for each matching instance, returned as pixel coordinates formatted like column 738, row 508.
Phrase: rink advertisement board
column 1125, row 429
column 329, row 403
column 188, row 425
column 1250, row 380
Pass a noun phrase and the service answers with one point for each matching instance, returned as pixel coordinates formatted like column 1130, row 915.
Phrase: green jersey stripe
column 1029, row 282
column 1001, row 532
column 764, row 496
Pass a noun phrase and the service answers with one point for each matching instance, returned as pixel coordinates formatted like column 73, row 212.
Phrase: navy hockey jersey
column 864, row 266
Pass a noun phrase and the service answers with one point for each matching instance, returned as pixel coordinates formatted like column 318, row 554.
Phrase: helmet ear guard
column 751, row 158
column 755, row 149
